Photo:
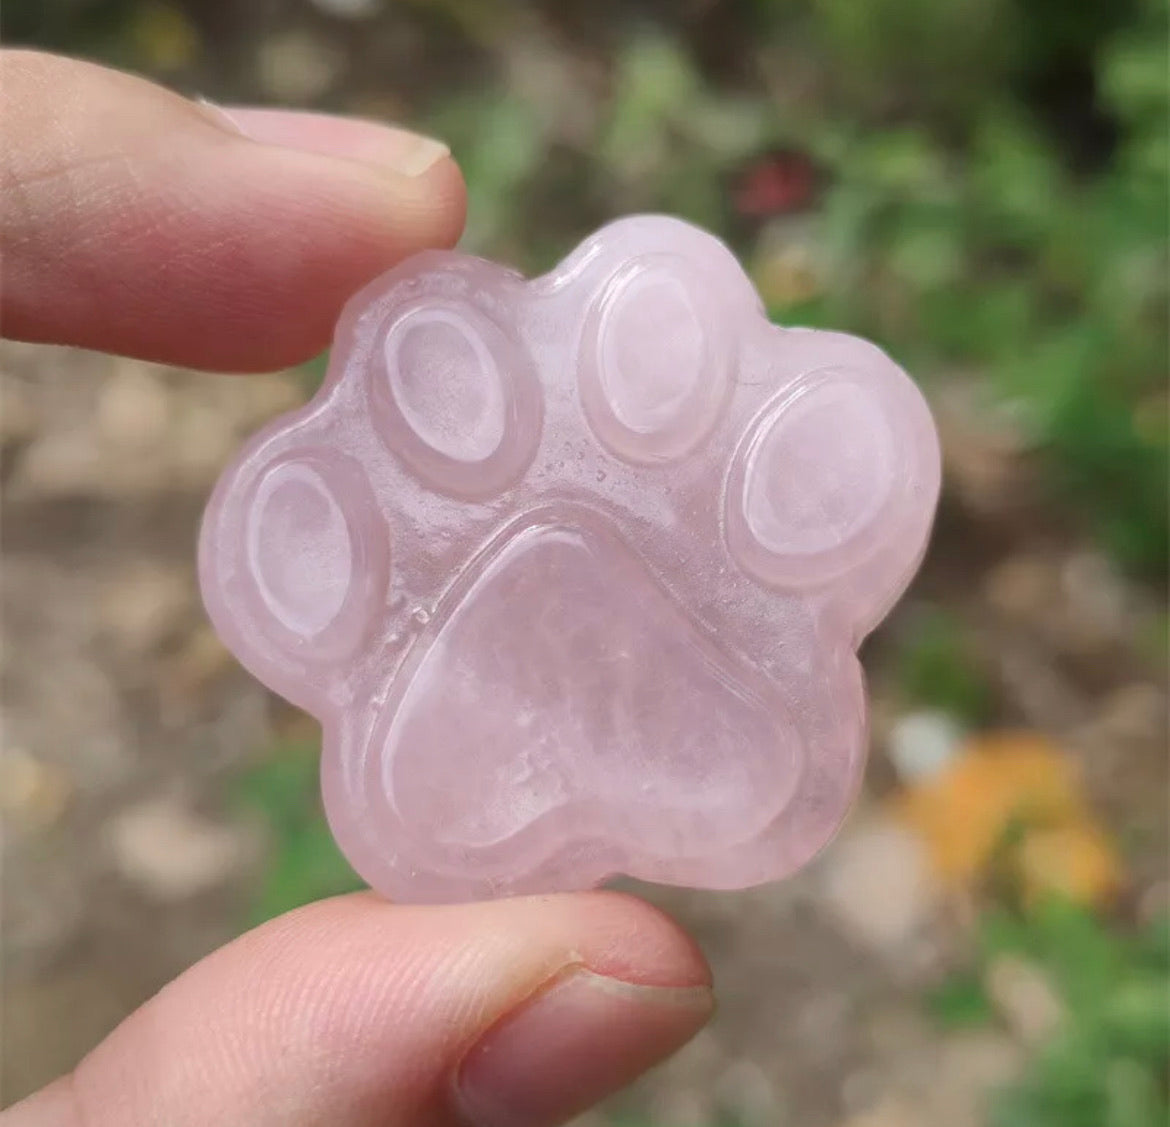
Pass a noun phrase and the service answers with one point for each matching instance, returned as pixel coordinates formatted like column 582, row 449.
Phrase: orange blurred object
column 1016, row 799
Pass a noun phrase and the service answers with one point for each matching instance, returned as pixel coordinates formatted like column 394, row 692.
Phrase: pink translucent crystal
column 573, row 570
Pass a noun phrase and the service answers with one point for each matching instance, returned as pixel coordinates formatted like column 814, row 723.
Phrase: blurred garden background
column 979, row 185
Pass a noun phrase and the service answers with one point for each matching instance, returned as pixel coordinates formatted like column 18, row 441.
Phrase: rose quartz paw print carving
column 573, row 570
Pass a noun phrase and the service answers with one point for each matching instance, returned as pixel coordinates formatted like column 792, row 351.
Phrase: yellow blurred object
column 1013, row 798
column 788, row 276
column 1078, row 861
column 163, row 36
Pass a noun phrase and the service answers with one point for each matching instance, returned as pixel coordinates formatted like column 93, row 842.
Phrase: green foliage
column 311, row 374
column 664, row 140
column 501, row 141
column 305, row 864
column 995, row 254
column 1107, row 1065
column 64, row 25
column 938, row 55
column 996, row 181
column 935, row 669
column 960, row 1001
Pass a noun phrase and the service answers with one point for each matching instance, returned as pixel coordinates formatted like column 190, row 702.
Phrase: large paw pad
column 573, row 571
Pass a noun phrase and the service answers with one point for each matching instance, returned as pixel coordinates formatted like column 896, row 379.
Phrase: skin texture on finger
column 136, row 221
column 357, row 1013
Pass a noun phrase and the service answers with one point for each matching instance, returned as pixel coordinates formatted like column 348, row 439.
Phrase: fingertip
column 449, row 192
column 424, row 179
column 637, row 942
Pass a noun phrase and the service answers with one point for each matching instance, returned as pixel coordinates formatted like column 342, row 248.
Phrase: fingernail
column 382, row 146
column 581, row 1038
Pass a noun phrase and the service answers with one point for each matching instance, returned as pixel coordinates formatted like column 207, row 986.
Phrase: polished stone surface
column 573, row 570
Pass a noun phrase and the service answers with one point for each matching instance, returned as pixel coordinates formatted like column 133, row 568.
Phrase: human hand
column 138, row 222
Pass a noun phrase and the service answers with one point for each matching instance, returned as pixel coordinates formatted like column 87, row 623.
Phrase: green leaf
column 926, row 250
column 936, row 670
column 1132, row 1096
column 311, row 373
column 500, row 139
column 283, row 786
column 1137, row 1017
column 903, row 163
column 654, row 87
column 1134, row 75
column 1085, row 961
column 1014, row 179
column 304, row 863
column 961, row 1002
column 306, row 866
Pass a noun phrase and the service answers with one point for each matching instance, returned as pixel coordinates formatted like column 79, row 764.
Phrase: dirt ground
column 125, row 722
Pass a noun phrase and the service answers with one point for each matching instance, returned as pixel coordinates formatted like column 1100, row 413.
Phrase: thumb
column 354, row 1012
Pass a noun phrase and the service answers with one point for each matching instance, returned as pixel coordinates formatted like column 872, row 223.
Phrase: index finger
column 136, row 221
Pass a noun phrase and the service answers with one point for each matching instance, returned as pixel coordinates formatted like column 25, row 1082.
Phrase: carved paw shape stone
column 573, row 571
